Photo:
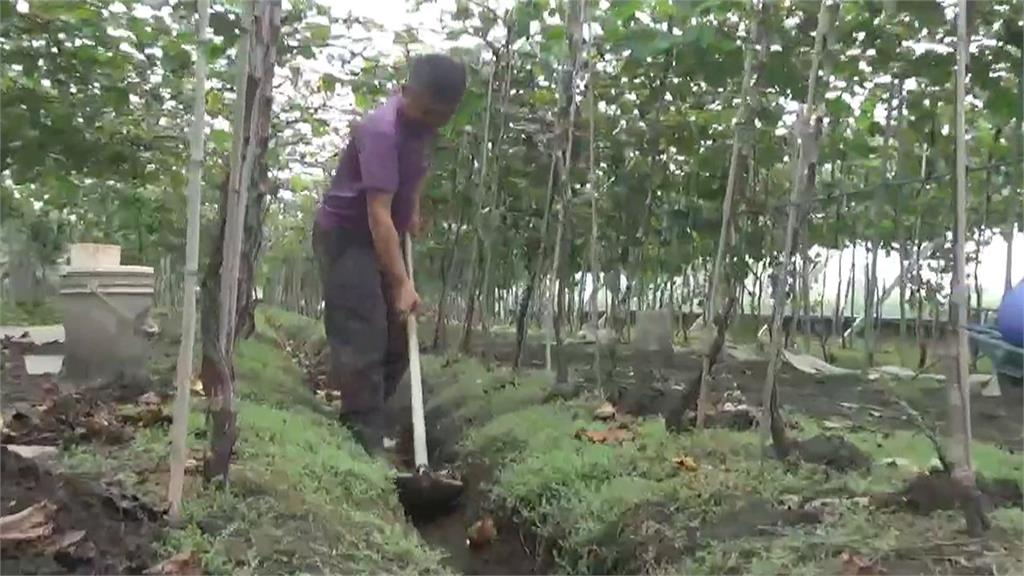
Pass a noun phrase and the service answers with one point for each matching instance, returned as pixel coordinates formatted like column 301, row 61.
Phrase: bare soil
column 109, row 531
column 118, row 529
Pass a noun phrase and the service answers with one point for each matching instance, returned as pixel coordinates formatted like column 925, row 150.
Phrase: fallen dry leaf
column 615, row 435
column 67, row 540
column 605, row 411
column 686, row 463
column 148, row 400
column 181, row 564
column 32, row 452
column 481, row 533
column 857, row 565
column 31, row 523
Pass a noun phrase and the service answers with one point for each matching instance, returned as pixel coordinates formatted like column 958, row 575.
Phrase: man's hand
column 406, row 300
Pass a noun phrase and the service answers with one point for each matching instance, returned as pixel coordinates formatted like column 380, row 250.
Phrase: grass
column 914, row 453
column 38, row 313
column 304, row 498
column 631, row 509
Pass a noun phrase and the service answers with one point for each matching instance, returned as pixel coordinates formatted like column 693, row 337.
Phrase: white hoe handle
column 419, row 428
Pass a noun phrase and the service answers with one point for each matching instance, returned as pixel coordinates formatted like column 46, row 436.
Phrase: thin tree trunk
column 979, row 238
column 871, row 289
column 229, row 316
column 488, row 233
column 595, row 265
column 903, row 288
column 554, row 339
column 958, row 387
column 522, row 320
column 1008, row 281
column 183, row 371
column 917, row 270
column 472, row 287
column 837, row 307
column 821, row 299
column 448, row 268
column 567, row 100
column 922, row 346
column 720, row 282
column 806, row 135
column 220, row 380
column 756, row 309
column 805, row 295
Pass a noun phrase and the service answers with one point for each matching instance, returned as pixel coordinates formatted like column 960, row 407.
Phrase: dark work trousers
column 367, row 339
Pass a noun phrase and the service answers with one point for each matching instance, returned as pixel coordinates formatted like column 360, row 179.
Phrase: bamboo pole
column 183, row 371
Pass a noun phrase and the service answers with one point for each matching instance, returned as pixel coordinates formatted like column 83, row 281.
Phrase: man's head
column 435, row 86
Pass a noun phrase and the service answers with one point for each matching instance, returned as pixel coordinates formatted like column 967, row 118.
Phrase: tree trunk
column 903, row 290
column 493, row 200
column 567, row 118
column 719, row 281
column 805, row 296
column 756, row 308
column 229, row 316
column 1008, row 282
column 871, row 274
column 183, row 371
column 806, row 131
column 472, row 286
column 922, row 346
column 958, row 387
column 837, row 306
column 553, row 339
column 522, row 320
column 472, row 297
column 979, row 239
column 595, row 265
column 448, row 268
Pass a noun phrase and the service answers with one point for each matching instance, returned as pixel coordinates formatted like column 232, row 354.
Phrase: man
column 374, row 199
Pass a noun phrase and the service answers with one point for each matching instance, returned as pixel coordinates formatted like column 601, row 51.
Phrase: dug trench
column 476, row 535
column 553, row 484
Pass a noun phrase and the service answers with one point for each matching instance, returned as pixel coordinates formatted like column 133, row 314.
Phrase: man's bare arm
column 385, row 238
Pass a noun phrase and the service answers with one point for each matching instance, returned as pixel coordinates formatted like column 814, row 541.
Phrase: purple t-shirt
column 386, row 153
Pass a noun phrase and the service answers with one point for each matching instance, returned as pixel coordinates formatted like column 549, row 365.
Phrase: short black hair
column 439, row 76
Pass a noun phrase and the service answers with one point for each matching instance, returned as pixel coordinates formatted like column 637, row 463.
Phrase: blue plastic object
column 1011, row 316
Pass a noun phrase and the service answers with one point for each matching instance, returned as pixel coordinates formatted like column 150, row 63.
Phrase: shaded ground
column 118, row 529
column 98, row 527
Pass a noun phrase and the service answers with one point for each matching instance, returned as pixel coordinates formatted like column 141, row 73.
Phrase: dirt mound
column 834, row 452
column 936, row 490
column 95, row 529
